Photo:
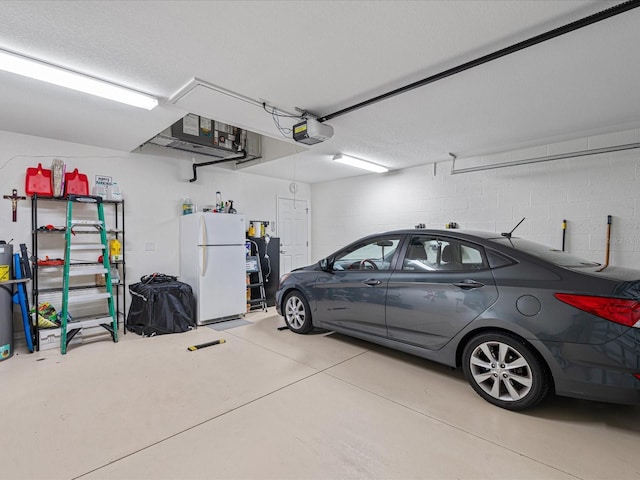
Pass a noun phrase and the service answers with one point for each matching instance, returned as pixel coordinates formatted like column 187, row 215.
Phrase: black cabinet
column 269, row 254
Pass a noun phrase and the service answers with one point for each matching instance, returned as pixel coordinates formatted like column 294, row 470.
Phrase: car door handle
column 468, row 284
column 372, row 282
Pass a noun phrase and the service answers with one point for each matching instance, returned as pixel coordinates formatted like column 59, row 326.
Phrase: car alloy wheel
column 505, row 371
column 297, row 314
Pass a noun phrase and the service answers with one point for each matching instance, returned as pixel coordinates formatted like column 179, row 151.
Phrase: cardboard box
column 50, row 338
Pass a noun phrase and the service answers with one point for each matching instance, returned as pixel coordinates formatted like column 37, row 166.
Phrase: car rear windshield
column 552, row 255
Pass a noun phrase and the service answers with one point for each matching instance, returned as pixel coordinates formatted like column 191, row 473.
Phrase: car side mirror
column 325, row 265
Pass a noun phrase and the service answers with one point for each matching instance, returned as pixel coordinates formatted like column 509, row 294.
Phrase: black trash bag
column 159, row 305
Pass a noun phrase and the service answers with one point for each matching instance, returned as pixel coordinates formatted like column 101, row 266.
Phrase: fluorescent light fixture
column 356, row 162
column 27, row 67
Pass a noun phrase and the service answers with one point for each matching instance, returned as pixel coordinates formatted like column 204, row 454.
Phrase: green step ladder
column 109, row 321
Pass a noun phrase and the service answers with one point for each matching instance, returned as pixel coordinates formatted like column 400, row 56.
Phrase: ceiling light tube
column 28, row 67
column 356, row 162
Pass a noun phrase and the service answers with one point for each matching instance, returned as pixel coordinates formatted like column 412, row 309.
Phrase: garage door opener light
column 27, row 67
column 356, row 162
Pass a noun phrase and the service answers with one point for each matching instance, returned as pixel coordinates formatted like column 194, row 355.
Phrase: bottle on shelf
column 115, row 250
column 187, row 206
column 114, row 193
column 100, row 190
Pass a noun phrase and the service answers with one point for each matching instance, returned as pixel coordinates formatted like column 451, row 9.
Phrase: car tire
column 297, row 314
column 505, row 371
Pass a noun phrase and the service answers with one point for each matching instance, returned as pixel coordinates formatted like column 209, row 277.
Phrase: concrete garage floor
column 272, row 404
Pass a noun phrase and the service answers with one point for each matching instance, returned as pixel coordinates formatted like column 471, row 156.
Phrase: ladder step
column 72, row 266
column 257, row 300
column 91, row 297
column 72, row 288
column 254, row 285
column 86, row 222
column 87, row 246
column 75, row 271
column 87, row 322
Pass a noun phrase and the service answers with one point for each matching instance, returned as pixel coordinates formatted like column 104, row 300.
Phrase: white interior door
column 293, row 230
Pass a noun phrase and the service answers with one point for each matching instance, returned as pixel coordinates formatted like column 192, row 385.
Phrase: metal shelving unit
column 43, row 291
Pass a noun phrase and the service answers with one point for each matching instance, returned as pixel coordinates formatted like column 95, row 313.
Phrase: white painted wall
column 583, row 190
column 153, row 187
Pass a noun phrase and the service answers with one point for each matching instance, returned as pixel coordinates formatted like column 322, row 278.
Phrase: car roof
column 447, row 232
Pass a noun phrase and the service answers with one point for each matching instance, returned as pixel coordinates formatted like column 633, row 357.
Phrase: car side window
column 496, row 260
column 432, row 254
column 371, row 255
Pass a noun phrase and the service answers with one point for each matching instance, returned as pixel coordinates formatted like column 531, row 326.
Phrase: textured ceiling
column 323, row 56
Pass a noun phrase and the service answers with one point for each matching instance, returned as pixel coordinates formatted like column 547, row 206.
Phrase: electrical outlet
column 149, row 247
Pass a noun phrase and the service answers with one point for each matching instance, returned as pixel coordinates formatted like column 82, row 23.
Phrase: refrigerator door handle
column 203, row 266
column 203, row 231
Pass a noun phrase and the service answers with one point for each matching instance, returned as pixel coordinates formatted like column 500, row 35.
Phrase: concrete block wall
column 583, row 190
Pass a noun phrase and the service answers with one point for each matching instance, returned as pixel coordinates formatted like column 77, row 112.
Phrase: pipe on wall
column 214, row 162
column 560, row 156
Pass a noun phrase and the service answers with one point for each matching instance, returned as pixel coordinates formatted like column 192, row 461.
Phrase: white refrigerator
column 213, row 263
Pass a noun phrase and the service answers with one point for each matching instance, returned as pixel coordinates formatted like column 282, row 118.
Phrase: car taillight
column 625, row 312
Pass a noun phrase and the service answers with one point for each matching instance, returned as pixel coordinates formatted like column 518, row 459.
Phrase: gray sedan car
column 522, row 320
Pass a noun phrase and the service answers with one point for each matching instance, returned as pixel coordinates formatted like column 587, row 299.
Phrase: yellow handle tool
column 208, row 344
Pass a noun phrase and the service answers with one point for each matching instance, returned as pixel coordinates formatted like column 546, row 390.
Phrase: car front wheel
column 297, row 314
column 505, row 371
